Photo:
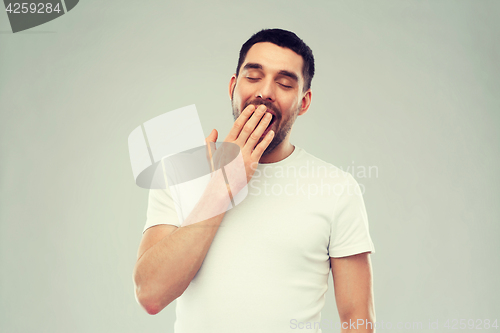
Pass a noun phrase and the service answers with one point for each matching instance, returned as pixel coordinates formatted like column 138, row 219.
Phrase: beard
column 283, row 126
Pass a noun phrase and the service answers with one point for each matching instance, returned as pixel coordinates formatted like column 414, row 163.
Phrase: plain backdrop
column 410, row 88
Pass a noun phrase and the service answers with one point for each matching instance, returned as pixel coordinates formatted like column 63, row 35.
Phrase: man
column 263, row 265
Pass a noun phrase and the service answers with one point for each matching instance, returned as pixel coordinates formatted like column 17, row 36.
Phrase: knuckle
column 247, row 129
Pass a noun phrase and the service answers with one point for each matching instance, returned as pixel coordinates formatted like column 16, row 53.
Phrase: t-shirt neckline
column 295, row 153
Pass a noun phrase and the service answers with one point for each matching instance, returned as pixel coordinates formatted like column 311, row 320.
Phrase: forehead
column 275, row 58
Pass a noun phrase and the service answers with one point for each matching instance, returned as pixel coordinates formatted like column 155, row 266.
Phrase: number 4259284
column 38, row 8
column 471, row 324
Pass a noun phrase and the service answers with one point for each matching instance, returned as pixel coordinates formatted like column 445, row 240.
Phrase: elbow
column 154, row 296
column 151, row 306
column 152, row 309
column 143, row 296
column 150, row 302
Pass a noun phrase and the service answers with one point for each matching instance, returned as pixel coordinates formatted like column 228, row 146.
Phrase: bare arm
column 169, row 257
column 352, row 279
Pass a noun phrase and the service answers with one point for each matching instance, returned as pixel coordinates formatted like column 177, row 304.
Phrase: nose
column 266, row 90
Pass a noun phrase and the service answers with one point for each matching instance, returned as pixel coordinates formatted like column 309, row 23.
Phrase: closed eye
column 252, row 78
column 285, row 86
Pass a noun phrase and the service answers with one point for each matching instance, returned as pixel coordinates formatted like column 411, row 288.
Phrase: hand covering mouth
column 269, row 108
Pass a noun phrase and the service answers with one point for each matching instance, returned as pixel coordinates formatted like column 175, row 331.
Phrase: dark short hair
column 286, row 39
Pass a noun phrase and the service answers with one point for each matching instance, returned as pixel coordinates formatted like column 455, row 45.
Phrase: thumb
column 212, row 137
column 210, row 141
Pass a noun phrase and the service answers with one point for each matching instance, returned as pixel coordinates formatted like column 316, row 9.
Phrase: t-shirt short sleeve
column 161, row 209
column 349, row 232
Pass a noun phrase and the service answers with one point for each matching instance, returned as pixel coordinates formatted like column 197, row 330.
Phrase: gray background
column 410, row 87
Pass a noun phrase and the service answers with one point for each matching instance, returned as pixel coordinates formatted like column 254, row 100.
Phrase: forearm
column 362, row 322
column 165, row 270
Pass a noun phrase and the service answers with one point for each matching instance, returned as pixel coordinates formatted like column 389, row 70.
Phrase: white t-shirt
column 267, row 268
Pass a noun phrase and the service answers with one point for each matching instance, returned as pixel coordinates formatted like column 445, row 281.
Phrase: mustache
column 268, row 104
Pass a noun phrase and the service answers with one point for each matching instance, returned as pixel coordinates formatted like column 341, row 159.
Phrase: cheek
column 289, row 108
column 244, row 93
column 239, row 95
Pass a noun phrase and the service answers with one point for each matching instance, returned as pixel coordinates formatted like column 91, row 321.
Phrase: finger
column 250, row 125
column 257, row 133
column 240, row 122
column 261, row 147
column 212, row 137
column 210, row 142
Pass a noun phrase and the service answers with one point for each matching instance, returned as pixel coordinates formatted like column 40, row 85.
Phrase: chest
column 278, row 224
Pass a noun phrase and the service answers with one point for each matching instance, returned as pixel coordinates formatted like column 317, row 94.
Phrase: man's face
column 271, row 75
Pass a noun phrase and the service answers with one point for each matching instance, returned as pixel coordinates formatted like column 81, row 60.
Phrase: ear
column 232, row 84
column 306, row 102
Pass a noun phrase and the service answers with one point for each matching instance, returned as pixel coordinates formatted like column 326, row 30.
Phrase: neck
column 282, row 151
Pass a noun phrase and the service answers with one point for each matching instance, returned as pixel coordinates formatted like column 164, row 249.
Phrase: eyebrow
column 289, row 74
